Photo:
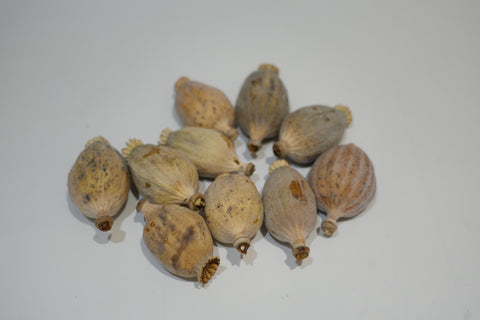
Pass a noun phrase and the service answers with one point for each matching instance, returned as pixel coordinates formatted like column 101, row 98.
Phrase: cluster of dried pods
column 180, row 221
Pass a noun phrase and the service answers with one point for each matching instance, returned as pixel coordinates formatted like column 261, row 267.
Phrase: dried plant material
column 180, row 240
column 233, row 210
column 211, row 151
column 290, row 209
column 261, row 105
column 162, row 176
column 201, row 105
column 343, row 181
column 309, row 131
column 99, row 182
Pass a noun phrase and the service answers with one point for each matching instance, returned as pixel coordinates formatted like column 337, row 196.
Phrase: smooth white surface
column 409, row 70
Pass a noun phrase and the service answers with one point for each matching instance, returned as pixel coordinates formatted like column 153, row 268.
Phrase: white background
column 409, row 70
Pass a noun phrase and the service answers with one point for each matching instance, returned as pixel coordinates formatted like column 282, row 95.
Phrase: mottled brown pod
column 233, row 210
column 211, row 151
column 180, row 240
column 290, row 210
column 343, row 181
column 99, row 182
column 200, row 105
column 309, row 131
column 261, row 106
column 162, row 176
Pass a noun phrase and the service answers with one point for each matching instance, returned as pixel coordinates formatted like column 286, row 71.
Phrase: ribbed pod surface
column 343, row 180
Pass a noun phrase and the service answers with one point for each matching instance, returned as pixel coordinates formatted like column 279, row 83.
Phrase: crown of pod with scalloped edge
column 261, row 106
column 290, row 209
column 343, row 180
column 99, row 182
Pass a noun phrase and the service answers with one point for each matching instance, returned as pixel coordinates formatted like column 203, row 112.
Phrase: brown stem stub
column 243, row 247
column 180, row 81
column 208, row 269
column 267, row 66
column 279, row 149
column 254, row 145
column 104, row 223
column 301, row 252
column 196, row 202
column 328, row 228
column 249, row 169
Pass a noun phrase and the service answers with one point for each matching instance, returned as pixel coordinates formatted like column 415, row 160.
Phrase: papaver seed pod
column 343, row 181
column 200, row 105
column 162, row 176
column 290, row 209
column 99, row 182
column 180, row 240
column 309, row 131
column 233, row 210
column 261, row 106
column 211, row 151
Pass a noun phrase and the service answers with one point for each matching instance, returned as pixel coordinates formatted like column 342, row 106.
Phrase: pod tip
column 180, row 81
column 104, row 223
column 242, row 243
column 196, row 202
column 277, row 164
column 346, row 112
column 328, row 228
column 254, row 145
column 249, row 169
column 267, row 66
column 164, row 136
column 232, row 134
column 131, row 144
column 96, row 139
column 301, row 252
column 279, row 149
column 208, row 269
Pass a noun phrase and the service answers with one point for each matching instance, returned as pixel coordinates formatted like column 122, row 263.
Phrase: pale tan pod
column 211, row 151
column 180, row 240
column 99, row 182
column 309, row 131
column 290, row 209
column 261, row 106
column 343, row 180
column 233, row 210
column 201, row 105
column 162, row 176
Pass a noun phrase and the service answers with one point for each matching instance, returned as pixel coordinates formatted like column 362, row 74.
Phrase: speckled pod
column 179, row 238
column 290, row 209
column 99, row 182
column 200, row 105
column 309, row 131
column 261, row 105
column 162, row 176
column 343, row 181
column 233, row 210
column 211, row 151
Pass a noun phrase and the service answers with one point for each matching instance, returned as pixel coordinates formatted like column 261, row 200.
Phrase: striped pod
column 261, row 106
column 343, row 181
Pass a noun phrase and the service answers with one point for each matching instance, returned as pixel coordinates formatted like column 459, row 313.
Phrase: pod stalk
column 328, row 227
column 196, row 202
column 208, row 269
column 301, row 252
column 104, row 223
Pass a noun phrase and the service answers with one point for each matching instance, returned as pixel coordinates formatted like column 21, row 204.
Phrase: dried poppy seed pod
column 261, row 106
column 200, row 105
column 343, row 181
column 98, row 182
column 309, row 131
column 162, row 176
column 290, row 209
column 233, row 210
column 211, row 151
column 180, row 240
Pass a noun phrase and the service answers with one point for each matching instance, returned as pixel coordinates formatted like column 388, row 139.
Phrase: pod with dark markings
column 233, row 210
column 261, row 106
column 343, row 181
column 162, row 176
column 99, row 182
column 309, row 131
column 200, row 105
column 180, row 240
column 290, row 209
column 211, row 151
